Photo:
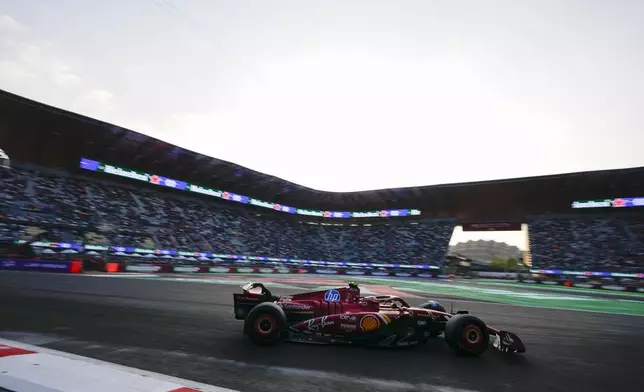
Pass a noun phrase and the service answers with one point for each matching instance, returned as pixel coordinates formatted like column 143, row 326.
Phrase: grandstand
column 48, row 194
column 83, row 210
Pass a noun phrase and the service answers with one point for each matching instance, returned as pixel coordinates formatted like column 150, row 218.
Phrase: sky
column 343, row 95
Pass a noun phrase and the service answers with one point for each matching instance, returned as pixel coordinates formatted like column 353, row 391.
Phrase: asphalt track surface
column 187, row 330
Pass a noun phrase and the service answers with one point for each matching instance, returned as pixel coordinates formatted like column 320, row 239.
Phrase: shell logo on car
column 369, row 323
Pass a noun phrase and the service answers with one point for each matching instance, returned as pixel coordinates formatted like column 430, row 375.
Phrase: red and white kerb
column 26, row 368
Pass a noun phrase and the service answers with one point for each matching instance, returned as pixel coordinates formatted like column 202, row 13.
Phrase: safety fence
column 614, row 283
column 116, row 267
column 258, row 269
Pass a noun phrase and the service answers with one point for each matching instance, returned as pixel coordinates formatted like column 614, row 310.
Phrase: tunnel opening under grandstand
column 488, row 248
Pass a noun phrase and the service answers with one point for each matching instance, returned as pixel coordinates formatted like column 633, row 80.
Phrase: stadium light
column 5, row 162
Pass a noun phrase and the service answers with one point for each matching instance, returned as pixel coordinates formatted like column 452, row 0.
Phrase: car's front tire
column 265, row 324
column 467, row 335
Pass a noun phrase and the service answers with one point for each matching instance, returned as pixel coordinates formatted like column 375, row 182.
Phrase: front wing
column 507, row 342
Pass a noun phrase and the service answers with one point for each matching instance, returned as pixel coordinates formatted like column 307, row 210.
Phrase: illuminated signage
column 620, row 202
column 155, row 179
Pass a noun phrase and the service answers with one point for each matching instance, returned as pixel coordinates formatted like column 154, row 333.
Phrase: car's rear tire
column 265, row 324
column 467, row 335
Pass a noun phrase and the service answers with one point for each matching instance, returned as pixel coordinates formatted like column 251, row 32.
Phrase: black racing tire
column 467, row 335
column 265, row 324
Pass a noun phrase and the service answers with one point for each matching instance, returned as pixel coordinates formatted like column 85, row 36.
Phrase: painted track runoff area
column 484, row 290
column 183, row 326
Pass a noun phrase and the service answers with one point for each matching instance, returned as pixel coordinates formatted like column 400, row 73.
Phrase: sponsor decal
column 266, row 270
column 425, row 275
column 348, row 318
column 354, row 272
column 295, row 306
column 286, row 298
column 314, row 325
column 332, row 296
column 245, row 270
column 369, row 323
column 380, row 273
column 9, row 264
column 348, row 327
column 421, row 323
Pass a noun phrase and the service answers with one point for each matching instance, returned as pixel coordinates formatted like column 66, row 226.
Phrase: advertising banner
column 143, row 268
column 42, row 265
column 187, row 269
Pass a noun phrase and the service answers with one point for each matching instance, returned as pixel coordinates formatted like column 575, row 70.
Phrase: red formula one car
column 342, row 316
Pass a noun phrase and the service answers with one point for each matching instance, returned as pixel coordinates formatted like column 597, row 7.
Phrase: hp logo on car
column 332, row 296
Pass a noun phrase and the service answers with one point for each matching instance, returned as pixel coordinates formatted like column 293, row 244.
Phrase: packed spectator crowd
column 57, row 207
column 81, row 210
column 591, row 244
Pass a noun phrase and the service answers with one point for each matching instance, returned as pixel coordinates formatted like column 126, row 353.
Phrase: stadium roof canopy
column 37, row 133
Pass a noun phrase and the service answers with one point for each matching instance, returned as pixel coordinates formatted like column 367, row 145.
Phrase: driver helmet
column 434, row 305
column 353, row 292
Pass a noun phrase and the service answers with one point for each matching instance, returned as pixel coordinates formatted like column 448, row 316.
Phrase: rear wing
column 252, row 295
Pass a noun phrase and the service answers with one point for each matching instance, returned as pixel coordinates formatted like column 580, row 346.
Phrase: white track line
column 27, row 368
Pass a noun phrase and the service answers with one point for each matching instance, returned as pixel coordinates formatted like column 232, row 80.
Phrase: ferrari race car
column 342, row 316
